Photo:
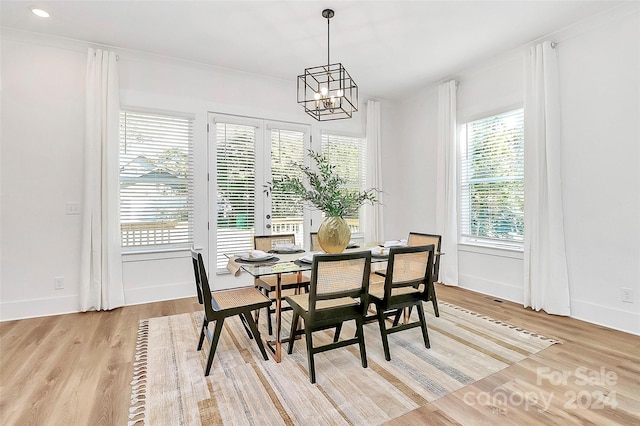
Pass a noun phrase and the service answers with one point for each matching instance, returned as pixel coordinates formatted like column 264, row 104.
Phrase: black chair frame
column 245, row 301
column 322, row 319
column 394, row 304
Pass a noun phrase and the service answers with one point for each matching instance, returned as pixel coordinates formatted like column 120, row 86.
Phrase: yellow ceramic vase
column 334, row 235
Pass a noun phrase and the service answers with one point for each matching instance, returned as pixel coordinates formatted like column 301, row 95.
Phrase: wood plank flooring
column 75, row 370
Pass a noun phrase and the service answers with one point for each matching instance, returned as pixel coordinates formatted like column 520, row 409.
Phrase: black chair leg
column 336, row 336
column 214, row 344
column 205, row 324
column 269, row 321
column 310, row 354
column 423, row 323
column 396, row 319
column 363, row 350
column 434, row 300
column 254, row 328
column 292, row 334
column 246, row 326
column 383, row 334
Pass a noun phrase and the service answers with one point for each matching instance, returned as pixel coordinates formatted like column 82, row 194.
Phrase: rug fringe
column 139, row 382
column 133, row 409
column 133, row 422
column 495, row 321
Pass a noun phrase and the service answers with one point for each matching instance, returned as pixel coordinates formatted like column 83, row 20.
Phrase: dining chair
column 267, row 283
column 419, row 239
column 338, row 293
column 406, row 284
column 220, row 305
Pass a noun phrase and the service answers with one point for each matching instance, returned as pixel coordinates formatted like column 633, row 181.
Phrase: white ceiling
column 388, row 47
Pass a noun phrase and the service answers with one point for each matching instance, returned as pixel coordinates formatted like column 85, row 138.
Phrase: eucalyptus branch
column 324, row 189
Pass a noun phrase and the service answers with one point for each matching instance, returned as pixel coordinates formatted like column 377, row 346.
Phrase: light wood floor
column 75, row 370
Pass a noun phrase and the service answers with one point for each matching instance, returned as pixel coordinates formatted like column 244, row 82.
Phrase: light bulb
column 324, row 91
column 340, row 93
column 316, row 96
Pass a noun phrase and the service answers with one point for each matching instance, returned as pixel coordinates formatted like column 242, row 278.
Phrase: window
column 349, row 156
column 492, row 180
column 156, row 181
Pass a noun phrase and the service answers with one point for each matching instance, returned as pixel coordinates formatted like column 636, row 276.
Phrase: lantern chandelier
column 328, row 92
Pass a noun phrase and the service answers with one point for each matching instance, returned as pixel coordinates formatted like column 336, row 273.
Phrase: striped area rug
column 169, row 386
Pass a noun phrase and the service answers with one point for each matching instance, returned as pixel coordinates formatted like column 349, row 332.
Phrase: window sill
column 512, row 252
column 155, row 254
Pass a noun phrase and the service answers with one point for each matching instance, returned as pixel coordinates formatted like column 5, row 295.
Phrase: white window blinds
column 287, row 214
column 156, row 181
column 235, row 179
column 492, row 179
column 348, row 154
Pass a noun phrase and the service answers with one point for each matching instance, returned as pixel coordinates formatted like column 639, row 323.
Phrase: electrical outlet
column 73, row 208
column 58, row 283
column 627, row 295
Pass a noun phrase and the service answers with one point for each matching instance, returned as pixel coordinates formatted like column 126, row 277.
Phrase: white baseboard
column 626, row 321
column 33, row 308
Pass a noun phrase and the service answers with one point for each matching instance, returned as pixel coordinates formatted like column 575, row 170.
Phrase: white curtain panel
column 546, row 282
column 101, row 286
column 373, row 215
column 447, row 182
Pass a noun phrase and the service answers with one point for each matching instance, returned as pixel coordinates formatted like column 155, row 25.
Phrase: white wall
column 43, row 89
column 42, row 157
column 600, row 80
column 600, row 95
column 412, row 170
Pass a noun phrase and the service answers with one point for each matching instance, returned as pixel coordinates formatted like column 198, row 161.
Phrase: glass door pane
column 287, row 213
column 235, row 182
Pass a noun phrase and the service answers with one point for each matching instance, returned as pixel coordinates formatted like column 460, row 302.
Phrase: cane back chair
column 337, row 293
column 406, row 284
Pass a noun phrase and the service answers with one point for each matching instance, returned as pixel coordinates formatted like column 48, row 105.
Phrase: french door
column 246, row 154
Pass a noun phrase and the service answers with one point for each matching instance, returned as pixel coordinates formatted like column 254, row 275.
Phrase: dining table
column 286, row 262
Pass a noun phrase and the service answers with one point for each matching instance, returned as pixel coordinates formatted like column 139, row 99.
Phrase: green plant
column 323, row 188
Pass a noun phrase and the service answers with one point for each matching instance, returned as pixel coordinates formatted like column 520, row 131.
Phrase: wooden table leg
column 277, row 344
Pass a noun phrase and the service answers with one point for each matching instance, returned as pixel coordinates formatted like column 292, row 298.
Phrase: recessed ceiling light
column 41, row 13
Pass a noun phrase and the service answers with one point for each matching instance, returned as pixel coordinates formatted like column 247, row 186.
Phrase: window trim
column 479, row 244
column 156, row 254
column 160, row 251
column 490, row 250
